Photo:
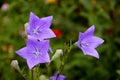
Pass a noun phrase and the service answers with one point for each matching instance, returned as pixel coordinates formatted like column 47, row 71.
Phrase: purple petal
column 93, row 42
column 60, row 77
column 81, row 37
column 47, row 33
column 39, row 27
column 34, row 22
column 42, row 47
column 47, row 20
column 33, row 61
column 33, row 44
column 89, row 32
column 90, row 51
column 44, row 58
column 24, row 53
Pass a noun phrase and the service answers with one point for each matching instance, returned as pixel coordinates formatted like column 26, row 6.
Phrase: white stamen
column 83, row 44
column 36, row 30
column 37, row 53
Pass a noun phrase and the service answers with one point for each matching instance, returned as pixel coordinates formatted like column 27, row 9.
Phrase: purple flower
column 39, row 28
column 88, row 42
column 35, row 52
column 5, row 7
column 60, row 77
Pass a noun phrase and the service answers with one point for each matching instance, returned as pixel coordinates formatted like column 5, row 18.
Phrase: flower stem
column 36, row 73
column 67, row 50
column 30, row 74
column 22, row 74
column 61, row 69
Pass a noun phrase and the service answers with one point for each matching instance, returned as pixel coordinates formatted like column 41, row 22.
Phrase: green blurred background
column 70, row 17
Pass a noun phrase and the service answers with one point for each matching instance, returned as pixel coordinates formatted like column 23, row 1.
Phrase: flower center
column 36, row 31
column 37, row 53
column 83, row 44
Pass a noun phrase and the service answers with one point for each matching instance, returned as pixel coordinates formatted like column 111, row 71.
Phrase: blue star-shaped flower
column 35, row 52
column 39, row 28
column 87, row 42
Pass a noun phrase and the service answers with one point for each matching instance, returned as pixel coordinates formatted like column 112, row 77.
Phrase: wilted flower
column 39, row 28
column 88, row 42
column 60, row 77
column 35, row 52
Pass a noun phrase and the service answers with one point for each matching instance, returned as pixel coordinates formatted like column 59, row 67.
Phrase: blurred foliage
column 71, row 17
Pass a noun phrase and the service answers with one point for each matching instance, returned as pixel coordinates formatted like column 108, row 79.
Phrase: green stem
column 61, row 69
column 30, row 75
column 22, row 75
column 64, row 56
column 36, row 72
column 48, row 69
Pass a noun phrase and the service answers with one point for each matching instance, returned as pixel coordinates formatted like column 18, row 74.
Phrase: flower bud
column 15, row 64
column 57, row 54
column 43, row 77
column 26, row 25
column 76, row 43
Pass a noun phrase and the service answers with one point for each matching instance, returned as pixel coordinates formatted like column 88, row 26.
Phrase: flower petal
column 24, row 52
column 60, row 77
column 90, row 51
column 38, row 28
column 31, row 44
column 46, row 33
column 47, row 20
column 89, row 32
column 42, row 47
column 92, row 42
column 34, row 22
column 33, row 61
column 81, row 37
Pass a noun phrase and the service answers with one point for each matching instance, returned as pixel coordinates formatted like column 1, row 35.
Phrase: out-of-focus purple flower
column 39, row 28
column 35, row 52
column 60, row 77
column 87, row 42
column 5, row 7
